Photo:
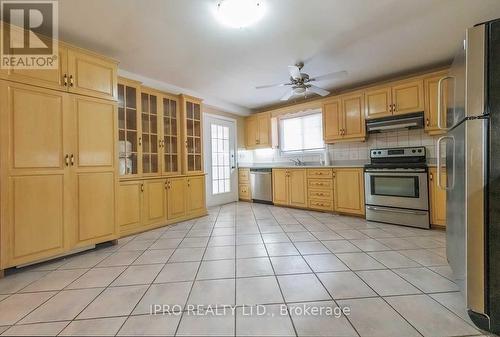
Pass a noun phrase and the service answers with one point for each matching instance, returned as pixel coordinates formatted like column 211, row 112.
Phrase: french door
column 220, row 162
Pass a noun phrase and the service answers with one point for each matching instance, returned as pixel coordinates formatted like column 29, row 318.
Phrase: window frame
column 303, row 151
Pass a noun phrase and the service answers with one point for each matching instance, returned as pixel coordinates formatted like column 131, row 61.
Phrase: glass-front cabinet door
column 150, row 135
column 193, row 134
column 170, row 142
column 128, row 128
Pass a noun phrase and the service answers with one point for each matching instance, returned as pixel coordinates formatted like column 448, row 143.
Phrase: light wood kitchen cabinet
column 150, row 131
column 244, row 184
column 130, row 205
column 437, row 198
column 195, row 194
column 408, row 97
column 192, row 135
column 58, row 162
column 349, row 195
column 344, row 118
column 332, row 121
column 129, row 128
column 431, row 103
column 320, row 189
column 290, row 187
column 378, row 102
column 79, row 71
column 258, row 131
column 91, row 74
column 176, row 198
column 170, row 143
column 155, row 205
column 398, row 98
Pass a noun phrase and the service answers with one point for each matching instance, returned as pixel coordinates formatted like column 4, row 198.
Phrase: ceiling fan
column 300, row 83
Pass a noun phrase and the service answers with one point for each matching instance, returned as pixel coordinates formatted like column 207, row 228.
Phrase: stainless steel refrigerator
column 471, row 116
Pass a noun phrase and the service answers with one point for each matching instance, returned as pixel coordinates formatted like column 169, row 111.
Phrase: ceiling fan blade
column 287, row 96
column 294, row 72
column 318, row 90
column 337, row 74
column 271, row 86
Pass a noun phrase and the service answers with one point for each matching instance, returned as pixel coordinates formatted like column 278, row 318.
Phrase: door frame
column 208, row 159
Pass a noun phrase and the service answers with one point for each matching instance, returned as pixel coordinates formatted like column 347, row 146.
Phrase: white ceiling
column 179, row 44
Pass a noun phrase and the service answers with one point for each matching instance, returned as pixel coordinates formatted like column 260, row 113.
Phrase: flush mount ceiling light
column 239, row 13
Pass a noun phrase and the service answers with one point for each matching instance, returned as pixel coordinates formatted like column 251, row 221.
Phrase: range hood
column 410, row 121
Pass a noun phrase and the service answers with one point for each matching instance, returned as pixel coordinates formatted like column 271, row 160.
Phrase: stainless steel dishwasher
column 261, row 184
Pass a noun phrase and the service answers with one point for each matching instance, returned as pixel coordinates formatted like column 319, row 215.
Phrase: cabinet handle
column 431, row 176
column 189, row 183
column 66, row 160
column 142, row 187
column 65, row 80
column 71, row 81
column 72, row 160
column 140, row 141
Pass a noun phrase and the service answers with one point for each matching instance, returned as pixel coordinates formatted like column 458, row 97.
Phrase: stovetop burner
column 398, row 158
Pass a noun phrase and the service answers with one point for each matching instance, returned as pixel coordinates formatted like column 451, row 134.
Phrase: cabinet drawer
column 325, row 205
column 244, row 175
column 319, row 173
column 323, row 194
column 244, row 191
column 320, row 183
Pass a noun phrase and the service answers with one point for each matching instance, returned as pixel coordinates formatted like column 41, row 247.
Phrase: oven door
column 401, row 189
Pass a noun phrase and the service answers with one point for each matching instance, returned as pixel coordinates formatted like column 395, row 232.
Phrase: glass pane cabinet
column 159, row 134
column 171, row 140
column 193, row 134
column 128, row 129
column 149, row 138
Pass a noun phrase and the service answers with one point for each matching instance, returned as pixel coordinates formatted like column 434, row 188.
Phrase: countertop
column 356, row 163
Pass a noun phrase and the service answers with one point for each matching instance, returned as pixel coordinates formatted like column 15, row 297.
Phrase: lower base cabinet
column 148, row 203
column 290, row 187
column 349, row 191
column 437, row 198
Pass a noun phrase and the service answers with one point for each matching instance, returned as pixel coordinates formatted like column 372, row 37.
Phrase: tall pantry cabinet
column 58, row 158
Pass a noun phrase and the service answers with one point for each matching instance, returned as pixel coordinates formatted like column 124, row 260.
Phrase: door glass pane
column 149, row 134
column 221, row 177
column 127, row 130
column 170, row 135
column 395, row 186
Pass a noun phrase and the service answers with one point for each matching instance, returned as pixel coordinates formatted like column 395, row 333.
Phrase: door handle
column 439, row 103
column 438, row 171
column 376, row 209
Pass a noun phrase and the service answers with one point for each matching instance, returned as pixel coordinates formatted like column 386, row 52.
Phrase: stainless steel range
column 396, row 189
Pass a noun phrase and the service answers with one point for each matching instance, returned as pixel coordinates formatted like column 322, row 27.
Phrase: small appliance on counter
column 396, row 188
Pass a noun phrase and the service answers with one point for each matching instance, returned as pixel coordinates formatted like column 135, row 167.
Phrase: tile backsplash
column 351, row 151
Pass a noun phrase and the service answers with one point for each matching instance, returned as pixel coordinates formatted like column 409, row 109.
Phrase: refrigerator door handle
column 438, row 171
column 439, row 103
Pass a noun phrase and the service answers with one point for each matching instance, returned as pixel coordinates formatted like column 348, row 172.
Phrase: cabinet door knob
column 427, row 122
column 65, row 80
column 71, row 81
column 66, row 160
column 431, row 176
column 142, row 187
column 72, row 159
column 140, row 141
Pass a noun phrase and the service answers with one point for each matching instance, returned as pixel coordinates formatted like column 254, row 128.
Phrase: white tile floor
column 395, row 281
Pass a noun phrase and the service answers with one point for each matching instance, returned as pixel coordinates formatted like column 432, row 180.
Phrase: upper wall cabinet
column 258, row 131
column 79, row 72
column 192, row 134
column 149, row 140
column 431, row 103
column 129, row 128
column 399, row 98
column 170, row 142
column 91, row 75
column 343, row 118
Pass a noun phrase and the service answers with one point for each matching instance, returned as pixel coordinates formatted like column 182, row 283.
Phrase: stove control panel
column 418, row 151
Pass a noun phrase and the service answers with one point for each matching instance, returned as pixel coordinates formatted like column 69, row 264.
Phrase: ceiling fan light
column 239, row 13
column 299, row 90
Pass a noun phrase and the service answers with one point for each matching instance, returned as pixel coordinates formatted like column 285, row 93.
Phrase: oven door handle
column 402, row 211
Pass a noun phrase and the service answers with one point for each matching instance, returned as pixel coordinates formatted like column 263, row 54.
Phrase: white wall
column 355, row 151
